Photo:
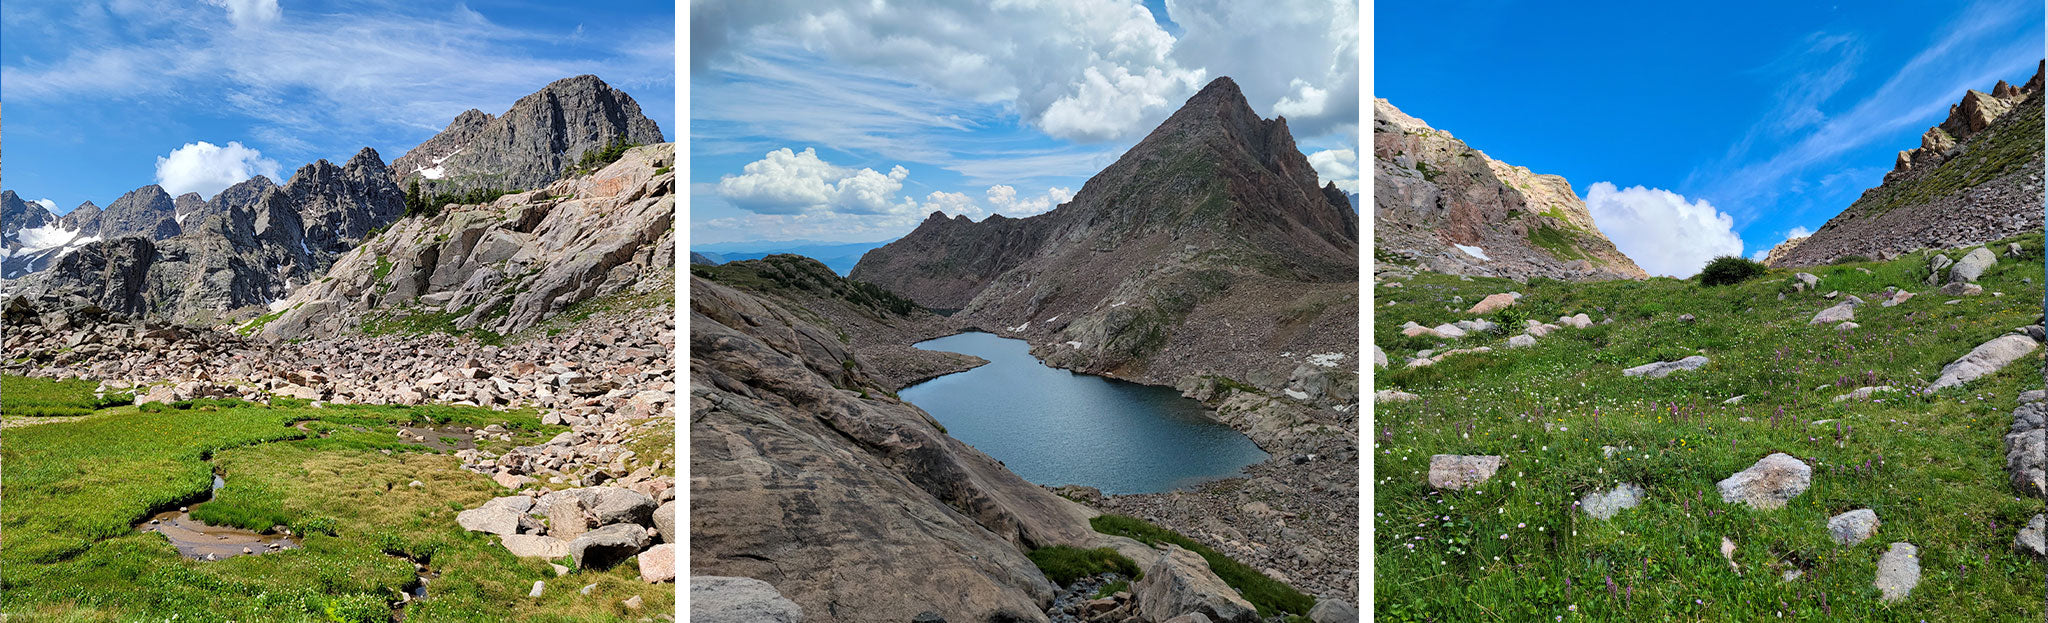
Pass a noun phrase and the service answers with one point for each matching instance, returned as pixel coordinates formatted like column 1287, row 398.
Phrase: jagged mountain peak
column 529, row 145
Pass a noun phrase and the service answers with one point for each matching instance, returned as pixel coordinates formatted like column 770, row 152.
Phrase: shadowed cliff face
column 1434, row 194
column 1171, row 262
column 1975, row 177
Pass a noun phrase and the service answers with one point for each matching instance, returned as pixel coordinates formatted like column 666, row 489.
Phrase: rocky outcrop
column 530, row 145
column 806, row 472
column 1207, row 249
column 1976, row 176
column 147, row 211
column 504, row 266
column 1441, row 205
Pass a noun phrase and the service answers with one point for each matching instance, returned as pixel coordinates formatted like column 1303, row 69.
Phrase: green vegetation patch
column 1517, row 549
column 1063, row 565
column 2004, row 148
column 336, row 478
column 1729, row 269
column 1560, row 243
column 1270, row 596
column 22, row 396
column 796, row 273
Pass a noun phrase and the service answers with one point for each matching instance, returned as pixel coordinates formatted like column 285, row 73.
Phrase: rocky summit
column 530, row 145
column 1207, row 250
column 1441, row 205
column 1976, row 176
column 503, row 266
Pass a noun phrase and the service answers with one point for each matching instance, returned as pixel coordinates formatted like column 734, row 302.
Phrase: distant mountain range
column 839, row 256
column 198, row 261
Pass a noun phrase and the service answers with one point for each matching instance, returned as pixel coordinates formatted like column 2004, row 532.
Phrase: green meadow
column 1517, row 549
column 338, row 476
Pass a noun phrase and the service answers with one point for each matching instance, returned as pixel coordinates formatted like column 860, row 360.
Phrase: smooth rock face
column 1455, row 471
column 1603, row 505
column 1853, row 527
column 1180, row 582
column 1862, row 393
column 665, row 522
column 530, row 546
column 492, row 519
column 607, row 546
column 1972, row 266
column 1333, row 610
column 2030, row 538
column 1986, row 358
column 1492, row 302
column 715, row 599
column 1840, row 312
column 1898, row 571
column 658, row 564
column 1662, row 369
column 1770, row 483
column 1521, row 341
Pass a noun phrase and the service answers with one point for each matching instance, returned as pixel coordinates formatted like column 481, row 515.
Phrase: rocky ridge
column 236, row 257
column 1441, row 205
column 1976, row 176
column 504, row 266
column 530, row 145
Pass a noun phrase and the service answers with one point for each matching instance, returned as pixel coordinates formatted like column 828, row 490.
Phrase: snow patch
column 437, row 171
column 1473, row 251
column 1021, row 327
column 48, row 236
column 1327, row 360
column 1074, row 344
column 1119, row 304
column 1295, row 394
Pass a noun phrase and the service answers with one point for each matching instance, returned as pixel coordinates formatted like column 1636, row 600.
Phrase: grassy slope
column 28, row 396
column 1931, row 467
column 75, row 488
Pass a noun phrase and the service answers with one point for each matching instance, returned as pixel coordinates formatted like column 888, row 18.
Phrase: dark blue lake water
column 1056, row 427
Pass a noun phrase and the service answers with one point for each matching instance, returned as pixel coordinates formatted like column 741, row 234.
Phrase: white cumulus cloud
column 790, row 182
column 1338, row 166
column 1302, row 100
column 1007, row 203
column 207, row 169
column 1662, row 231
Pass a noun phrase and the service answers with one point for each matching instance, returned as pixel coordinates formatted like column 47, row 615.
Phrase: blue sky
column 850, row 121
column 97, row 92
column 1739, row 121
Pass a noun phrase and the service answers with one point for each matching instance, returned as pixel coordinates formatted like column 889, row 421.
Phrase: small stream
column 199, row 540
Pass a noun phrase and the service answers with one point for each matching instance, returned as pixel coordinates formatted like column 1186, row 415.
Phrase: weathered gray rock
column 530, row 546
column 1986, row 358
column 1898, row 571
column 1393, row 395
column 665, row 522
column 1604, row 505
column 1936, row 266
column 1379, row 357
column 1840, row 312
column 1769, row 483
column 1807, row 281
column 1332, row 610
column 2026, row 448
column 492, row 519
column 529, row 145
column 2030, row 538
column 715, row 599
column 1662, row 369
column 1863, row 393
column 1853, row 527
column 1972, row 265
column 1521, row 341
column 1180, row 582
column 1456, row 471
column 607, row 546
column 1897, row 298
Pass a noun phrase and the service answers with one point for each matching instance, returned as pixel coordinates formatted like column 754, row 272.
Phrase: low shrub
column 1730, row 269
column 1064, row 565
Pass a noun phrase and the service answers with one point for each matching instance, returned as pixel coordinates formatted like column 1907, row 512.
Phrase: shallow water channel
column 1057, row 427
column 201, row 541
